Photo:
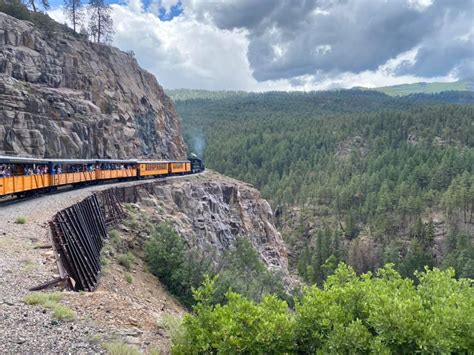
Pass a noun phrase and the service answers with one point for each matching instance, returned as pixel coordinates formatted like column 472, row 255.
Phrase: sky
column 261, row 45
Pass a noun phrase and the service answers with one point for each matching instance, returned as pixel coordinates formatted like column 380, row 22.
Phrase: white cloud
column 420, row 5
column 191, row 52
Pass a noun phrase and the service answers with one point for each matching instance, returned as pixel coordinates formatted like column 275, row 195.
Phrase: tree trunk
column 74, row 15
column 99, row 29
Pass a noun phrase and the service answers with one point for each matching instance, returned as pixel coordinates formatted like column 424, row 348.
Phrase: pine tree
column 33, row 6
column 74, row 11
column 101, row 24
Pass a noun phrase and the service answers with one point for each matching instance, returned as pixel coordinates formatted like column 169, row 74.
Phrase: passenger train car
column 27, row 176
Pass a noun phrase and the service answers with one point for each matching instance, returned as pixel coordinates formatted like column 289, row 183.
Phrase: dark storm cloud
column 291, row 38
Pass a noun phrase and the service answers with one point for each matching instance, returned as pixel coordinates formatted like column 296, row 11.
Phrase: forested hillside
column 353, row 175
column 426, row 88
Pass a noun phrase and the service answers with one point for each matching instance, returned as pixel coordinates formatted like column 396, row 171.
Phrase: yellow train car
column 180, row 167
column 153, row 168
column 22, row 175
column 116, row 169
column 71, row 171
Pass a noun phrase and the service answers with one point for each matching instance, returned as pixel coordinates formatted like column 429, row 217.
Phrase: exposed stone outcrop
column 212, row 212
column 63, row 96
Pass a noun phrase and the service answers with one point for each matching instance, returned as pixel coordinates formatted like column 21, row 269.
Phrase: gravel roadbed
column 25, row 262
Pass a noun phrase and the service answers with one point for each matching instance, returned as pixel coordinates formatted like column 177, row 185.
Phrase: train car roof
column 72, row 161
column 117, row 161
column 153, row 161
column 22, row 160
column 161, row 161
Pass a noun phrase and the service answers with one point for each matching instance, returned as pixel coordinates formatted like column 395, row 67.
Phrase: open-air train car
column 24, row 176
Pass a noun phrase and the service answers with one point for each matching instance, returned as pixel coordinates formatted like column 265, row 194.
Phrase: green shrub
column 126, row 261
column 15, row 9
column 20, row 220
column 167, row 258
column 239, row 326
column 379, row 314
column 181, row 269
column 129, row 278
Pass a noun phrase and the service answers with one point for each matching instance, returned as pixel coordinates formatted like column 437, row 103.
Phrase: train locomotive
column 28, row 176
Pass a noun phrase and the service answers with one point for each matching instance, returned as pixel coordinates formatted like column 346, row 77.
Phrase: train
column 22, row 177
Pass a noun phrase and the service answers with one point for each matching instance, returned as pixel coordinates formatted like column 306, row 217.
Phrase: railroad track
column 13, row 200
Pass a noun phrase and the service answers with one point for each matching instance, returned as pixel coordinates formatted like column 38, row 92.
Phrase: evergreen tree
column 101, row 24
column 33, row 4
column 74, row 11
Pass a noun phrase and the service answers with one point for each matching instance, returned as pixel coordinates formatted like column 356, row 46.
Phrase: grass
column 120, row 349
column 126, row 261
column 51, row 301
column 104, row 261
column 132, row 221
column 28, row 266
column 42, row 298
column 129, row 278
column 95, row 339
column 114, row 237
column 172, row 325
column 61, row 312
column 128, row 207
column 20, row 220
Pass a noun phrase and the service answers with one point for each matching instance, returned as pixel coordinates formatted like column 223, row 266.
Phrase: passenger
column 60, row 170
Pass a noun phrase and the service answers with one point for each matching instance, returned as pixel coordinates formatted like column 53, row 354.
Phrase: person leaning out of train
column 5, row 171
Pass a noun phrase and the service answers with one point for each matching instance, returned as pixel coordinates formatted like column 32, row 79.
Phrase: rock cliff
column 211, row 212
column 63, row 96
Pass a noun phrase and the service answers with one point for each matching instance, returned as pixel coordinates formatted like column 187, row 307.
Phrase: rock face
column 63, row 96
column 212, row 212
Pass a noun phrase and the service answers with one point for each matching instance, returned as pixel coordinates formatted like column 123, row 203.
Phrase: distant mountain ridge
column 395, row 90
column 424, row 88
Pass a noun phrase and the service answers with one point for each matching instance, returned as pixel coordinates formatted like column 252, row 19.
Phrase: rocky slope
column 62, row 96
column 211, row 212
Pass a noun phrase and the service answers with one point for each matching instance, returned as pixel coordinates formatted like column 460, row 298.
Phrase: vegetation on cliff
column 182, row 268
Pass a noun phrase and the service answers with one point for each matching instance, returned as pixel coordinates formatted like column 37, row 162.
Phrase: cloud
column 362, row 34
column 297, row 44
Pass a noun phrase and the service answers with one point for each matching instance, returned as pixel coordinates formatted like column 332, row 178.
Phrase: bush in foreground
column 385, row 313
